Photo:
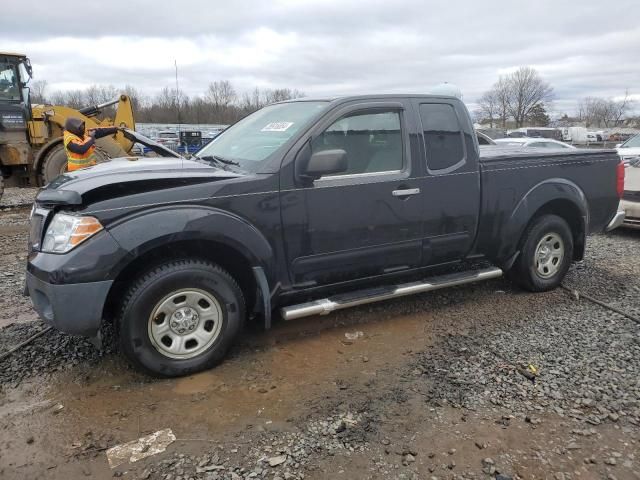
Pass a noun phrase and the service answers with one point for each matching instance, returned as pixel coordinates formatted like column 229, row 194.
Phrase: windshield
column 9, row 88
column 633, row 142
column 257, row 136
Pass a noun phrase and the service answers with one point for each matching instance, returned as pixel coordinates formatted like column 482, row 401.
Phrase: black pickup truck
column 305, row 207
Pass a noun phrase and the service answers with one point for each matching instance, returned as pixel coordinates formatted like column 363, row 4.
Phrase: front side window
column 257, row 136
column 372, row 141
column 442, row 136
column 9, row 88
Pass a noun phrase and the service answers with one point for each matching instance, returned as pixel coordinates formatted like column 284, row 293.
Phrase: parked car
column 629, row 151
column 630, row 202
column 575, row 135
column 527, row 142
column 535, row 132
column 484, row 139
column 167, row 136
column 594, row 137
column 305, row 207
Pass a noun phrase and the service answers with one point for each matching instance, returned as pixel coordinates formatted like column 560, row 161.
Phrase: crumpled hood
column 130, row 174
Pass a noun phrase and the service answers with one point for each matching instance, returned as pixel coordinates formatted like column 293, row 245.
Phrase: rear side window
column 443, row 140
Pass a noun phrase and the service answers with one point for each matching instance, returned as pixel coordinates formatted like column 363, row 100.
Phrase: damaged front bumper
column 74, row 308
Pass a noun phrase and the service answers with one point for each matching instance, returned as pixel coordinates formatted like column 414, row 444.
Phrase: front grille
column 37, row 222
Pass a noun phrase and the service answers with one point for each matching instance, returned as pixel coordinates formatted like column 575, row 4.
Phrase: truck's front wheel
column 181, row 318
column 545, row 255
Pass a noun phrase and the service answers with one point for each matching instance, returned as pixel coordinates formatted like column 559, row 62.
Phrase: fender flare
column 142, row 232
column 540, row 195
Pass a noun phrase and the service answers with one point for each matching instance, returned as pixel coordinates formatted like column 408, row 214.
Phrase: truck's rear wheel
column 181, row 318
column 54, row 164
column 545, row 255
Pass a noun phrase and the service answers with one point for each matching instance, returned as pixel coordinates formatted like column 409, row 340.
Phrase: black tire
column 1, row 185
column 150, row 290
column 54, row 164
column 527, row 269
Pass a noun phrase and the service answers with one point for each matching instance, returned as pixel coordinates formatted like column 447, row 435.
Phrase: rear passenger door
column 451, row 187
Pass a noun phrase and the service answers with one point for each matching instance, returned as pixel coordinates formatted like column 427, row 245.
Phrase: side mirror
column 326, row 163
column 618, row 145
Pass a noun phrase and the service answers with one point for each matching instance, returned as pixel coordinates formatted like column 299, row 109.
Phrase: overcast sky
column 328, row 47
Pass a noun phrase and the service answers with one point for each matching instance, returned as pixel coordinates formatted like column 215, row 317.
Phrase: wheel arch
column 227, row 257
column 557, row 196
column 171, row 233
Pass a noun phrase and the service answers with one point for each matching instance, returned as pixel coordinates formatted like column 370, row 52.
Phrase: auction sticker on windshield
column 277, row 127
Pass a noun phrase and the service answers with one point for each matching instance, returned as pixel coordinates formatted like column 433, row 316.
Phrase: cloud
column 330, row 47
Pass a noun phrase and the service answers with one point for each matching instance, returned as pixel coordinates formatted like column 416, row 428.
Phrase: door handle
column 405, row 192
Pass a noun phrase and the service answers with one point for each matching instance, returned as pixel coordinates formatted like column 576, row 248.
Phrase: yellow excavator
column 31, row 150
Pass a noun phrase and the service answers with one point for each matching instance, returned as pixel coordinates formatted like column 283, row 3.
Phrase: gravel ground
column 14, row 228
column 17, row 196
column 587, row 357
column 51, row 353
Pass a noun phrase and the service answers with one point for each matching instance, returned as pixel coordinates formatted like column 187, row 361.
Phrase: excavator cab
column 15, row 112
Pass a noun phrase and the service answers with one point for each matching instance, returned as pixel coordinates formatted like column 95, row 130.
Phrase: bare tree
column 503, row 96
column 526, row 91
column 218, row 104
column 138, row 100
column 221, row 93
column 280, row 95
column 39, row 91
column 602, row 112
column 488, row 107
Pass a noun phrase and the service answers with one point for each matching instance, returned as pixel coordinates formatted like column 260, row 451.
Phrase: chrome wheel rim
column 549, row 255
column 185, row 323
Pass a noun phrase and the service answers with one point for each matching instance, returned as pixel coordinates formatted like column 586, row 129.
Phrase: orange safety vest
column 76, row 161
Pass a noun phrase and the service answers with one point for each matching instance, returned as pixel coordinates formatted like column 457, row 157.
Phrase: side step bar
column 371, row 295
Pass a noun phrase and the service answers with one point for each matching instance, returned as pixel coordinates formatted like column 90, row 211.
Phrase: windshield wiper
column 218, row 159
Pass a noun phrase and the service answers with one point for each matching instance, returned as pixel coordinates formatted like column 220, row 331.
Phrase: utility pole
column 175, row 62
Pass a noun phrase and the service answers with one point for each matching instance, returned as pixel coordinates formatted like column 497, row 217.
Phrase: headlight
column 67, row 231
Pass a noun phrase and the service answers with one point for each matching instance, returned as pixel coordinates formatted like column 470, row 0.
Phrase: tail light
column 620, row 179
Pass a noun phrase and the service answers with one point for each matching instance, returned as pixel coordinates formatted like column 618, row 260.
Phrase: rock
column 611, row 461
column 488, row 466
column 502, row 476
column 275, row 461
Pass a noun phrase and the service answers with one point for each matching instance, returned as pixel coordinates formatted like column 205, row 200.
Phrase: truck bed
column 511, row 177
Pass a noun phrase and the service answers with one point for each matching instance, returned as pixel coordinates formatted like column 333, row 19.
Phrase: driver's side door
column 364, row 221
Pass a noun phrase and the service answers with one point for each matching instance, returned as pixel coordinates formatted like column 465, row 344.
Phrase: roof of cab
column 12, row 54
column 382, row 96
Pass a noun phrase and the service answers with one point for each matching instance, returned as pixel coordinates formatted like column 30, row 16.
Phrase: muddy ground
column 431, row 386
